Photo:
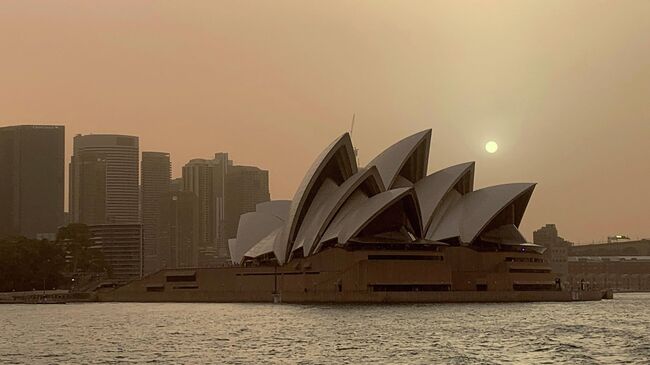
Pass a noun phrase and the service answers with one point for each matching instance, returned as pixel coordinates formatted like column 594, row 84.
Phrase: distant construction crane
column 356, row 150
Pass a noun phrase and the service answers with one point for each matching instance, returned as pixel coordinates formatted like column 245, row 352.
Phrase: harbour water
column 606, row 332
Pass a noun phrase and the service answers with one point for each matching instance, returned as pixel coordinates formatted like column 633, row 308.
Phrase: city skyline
column 176, row 173
column 322, row 182
column 125, row 197
column 566, row 100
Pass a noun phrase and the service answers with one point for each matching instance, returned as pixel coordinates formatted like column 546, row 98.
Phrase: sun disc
column 491, row 147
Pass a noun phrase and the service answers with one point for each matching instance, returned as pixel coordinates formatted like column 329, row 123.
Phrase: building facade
column 179, row 230
column 207, row 180
column 176, row 184
column 621, row 266
column 557, row 249
column 223, row 193
column 156, row 180
column 32, row 183
column 246, row 186
column 90, row 192
column 104, row 179
column 121, row 245
column 620, row 273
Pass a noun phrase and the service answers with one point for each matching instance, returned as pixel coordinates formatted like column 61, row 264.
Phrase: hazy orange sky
column 562, row 86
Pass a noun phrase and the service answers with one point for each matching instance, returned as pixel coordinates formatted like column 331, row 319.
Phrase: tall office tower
column 223, row 192
column 179, row 230
column 121, row 245
column 91, row 168
column 156, row 180
column 104, row 179
column 246, row 186
column 31, row 180
column 206, row 179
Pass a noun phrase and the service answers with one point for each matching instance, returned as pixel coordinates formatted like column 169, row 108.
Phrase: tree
column 27, row 264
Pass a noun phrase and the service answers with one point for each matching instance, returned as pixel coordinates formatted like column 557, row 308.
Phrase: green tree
column 27, row 264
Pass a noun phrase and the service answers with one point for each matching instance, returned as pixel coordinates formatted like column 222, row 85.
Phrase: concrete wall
column 334, row 275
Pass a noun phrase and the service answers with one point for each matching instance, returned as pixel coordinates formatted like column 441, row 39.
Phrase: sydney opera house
column 386, row 232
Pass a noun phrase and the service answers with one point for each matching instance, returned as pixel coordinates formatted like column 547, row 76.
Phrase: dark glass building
column 32, row 180
column 246, row 186
column 156, row 180
column 179, row 230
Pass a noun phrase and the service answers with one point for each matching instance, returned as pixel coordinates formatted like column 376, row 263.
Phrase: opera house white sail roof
column 391, row 200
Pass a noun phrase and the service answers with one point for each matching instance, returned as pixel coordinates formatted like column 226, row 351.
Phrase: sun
column 491, row 147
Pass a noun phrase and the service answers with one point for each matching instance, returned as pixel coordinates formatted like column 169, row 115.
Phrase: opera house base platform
column 336, row 275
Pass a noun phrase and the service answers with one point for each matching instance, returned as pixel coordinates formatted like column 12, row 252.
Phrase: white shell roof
column 505, row 234
column 475, row 210
column 446, row 211
column 356, row 200
column 252, row 228
column 336, row 201
column 401, row 182
column 265, row 245
column 306, row 232
column 232, row 247
column 327, row 204
column 432, row 189
column 299, row 204
column 278, row 208
column 391, row 161
column 371, row 208
column 280, row 245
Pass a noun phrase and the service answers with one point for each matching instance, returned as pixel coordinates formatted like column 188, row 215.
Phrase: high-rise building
column 156, row 179
column 91, row 191
column 206, row 179
column 179, row 228
column 246, row 186
column 121, row 245
column 223, row 192
column 104, row 173
column 557, row 249
column 32, row 183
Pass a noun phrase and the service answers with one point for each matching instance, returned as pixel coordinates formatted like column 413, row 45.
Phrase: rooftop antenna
column 356, row 150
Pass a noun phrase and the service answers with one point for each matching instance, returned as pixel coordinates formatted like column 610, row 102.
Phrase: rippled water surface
column 614, row 331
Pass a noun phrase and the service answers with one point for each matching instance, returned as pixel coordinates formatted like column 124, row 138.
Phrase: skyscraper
column 246, row 186
column 32, row 183
column 179, row 230
column 206, row 179
column 156, row 179
column 223, row 192
column 91, row 169
column 104, row 179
